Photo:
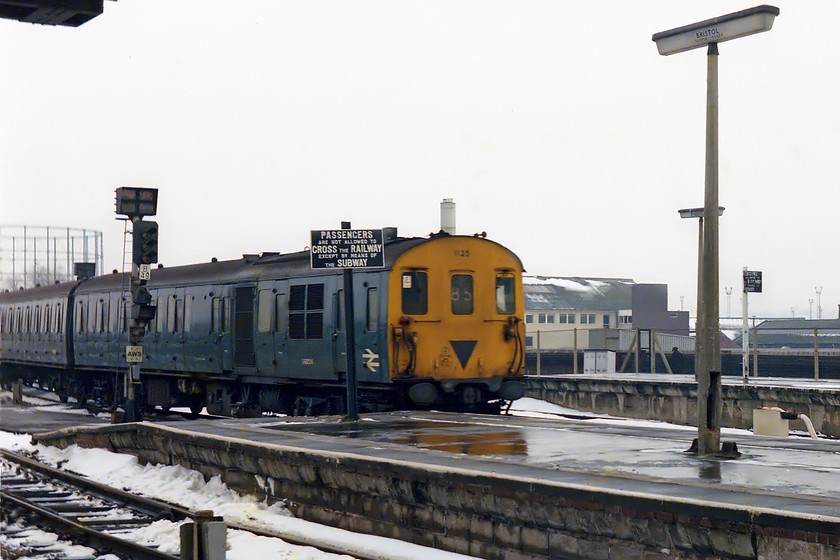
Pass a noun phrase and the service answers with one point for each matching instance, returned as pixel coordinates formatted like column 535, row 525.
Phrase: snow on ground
column 17, row 540
column 189, row 489
column 541, row 409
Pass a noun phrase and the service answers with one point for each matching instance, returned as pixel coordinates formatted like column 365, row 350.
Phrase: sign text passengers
column 347, row 248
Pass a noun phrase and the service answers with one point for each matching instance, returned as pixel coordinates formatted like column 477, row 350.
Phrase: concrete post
column 708, row 385
column 745, row 333
column 816, row 354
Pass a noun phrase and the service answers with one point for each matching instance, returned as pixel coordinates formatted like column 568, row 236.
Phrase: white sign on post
column 134, row 354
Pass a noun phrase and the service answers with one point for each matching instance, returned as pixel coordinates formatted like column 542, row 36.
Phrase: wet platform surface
column 795, row 476
column 609, row 447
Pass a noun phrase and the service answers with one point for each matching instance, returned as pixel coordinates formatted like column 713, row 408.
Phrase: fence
column 810, row 353
column 793, row 342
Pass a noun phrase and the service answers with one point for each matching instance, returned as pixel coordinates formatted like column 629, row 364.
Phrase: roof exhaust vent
column 447, row 216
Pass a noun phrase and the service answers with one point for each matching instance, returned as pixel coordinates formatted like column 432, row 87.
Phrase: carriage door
column 368, row 326
column 243, row 327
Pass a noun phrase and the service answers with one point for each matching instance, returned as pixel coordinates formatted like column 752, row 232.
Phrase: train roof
column 248, row 268
column 38, row 292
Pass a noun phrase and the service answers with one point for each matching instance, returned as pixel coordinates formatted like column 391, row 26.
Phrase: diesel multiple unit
column 439, row 325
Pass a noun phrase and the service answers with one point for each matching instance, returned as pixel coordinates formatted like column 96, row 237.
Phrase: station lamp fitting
column 716, row 30
column 697, row 212
column 136, row 202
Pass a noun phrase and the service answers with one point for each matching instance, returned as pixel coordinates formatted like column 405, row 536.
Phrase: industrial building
column 565, row 313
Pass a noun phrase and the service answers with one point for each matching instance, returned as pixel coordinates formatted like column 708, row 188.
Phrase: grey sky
column 555, row 126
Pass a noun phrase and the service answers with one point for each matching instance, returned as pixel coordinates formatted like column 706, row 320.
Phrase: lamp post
column 818, row 289
column 728, row 291
column 707, row 359
column 699, row 342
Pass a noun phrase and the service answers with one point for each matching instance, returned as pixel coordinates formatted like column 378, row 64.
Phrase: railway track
column 84, row 511
column 101, row 517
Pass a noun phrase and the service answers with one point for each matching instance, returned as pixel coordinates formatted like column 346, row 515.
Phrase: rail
column 90, row 512
column 50, row 486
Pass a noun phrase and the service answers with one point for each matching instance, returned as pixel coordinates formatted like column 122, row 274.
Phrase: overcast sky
column 556, row 126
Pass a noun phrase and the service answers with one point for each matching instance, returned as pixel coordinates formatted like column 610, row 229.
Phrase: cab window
column 462, row 294
column 415, row 292
column 505, row 300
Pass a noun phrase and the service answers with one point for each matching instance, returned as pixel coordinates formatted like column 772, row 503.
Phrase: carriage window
column 59, row 318
column 90, row 317
column 171, row 315
column 114, row 316
column 462, row 294
column 217, row 319
column 36, row 321
column 126, row 311
column 372, row 322
column 415, row 293
column 186, row 304
column 80, row 318
column 505, row 300
column 339, row 310
column 179, row 315
column 265, row 311
column 102, row 316
column 280, row 312
column 306, row 316
column 315, row 296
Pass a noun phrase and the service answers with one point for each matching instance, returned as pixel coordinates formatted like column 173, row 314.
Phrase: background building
column 795, row 334
column 563, row 313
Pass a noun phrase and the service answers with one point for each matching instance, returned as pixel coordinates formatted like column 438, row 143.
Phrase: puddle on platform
column 450, row 437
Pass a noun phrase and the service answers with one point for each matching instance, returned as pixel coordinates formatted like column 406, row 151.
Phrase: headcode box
column 347, row 248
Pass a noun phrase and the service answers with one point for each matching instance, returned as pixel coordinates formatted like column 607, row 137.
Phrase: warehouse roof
column 576, row 293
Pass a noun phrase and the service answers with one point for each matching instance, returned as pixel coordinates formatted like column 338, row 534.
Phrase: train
column 440, row 325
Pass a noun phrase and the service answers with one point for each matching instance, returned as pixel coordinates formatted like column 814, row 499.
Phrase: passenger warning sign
column 347, row 248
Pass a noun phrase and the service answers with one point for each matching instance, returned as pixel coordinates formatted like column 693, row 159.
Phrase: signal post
column 137, row 203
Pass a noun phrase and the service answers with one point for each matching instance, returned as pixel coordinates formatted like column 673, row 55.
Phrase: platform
column 673, row 398
column 491, row 485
